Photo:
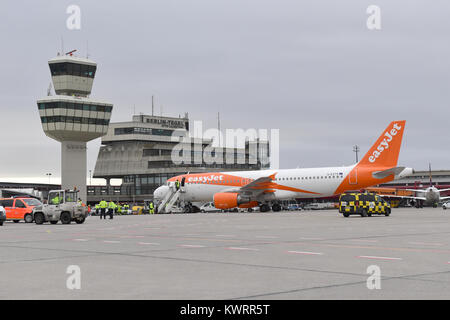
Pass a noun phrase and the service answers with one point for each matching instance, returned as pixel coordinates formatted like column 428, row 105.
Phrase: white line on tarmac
column 191, row 246
column 363, row 240
column 240, row 248
column 306, row 252
column 266, row 237
column 225, row 235
column 149, row 243
column 80, row 239
column 426, row 243
column 111, row 241
column 379, row 258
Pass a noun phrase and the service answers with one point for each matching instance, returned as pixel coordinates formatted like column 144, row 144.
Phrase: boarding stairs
column 171, row 198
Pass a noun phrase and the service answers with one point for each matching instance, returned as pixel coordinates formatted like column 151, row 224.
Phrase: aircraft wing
column 265, row 185
column 443, row 198
column 415, row 190
column 256, row 187
column 402, row 197
column 441, row 190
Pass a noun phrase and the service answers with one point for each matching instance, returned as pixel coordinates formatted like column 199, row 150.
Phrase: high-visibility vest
column 103, row 204
column 111, row 205
column 55, row 200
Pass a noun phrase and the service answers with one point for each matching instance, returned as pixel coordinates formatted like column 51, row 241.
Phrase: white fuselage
column 320, row 182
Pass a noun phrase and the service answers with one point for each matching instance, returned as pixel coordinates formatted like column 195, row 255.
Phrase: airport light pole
column 356, row 150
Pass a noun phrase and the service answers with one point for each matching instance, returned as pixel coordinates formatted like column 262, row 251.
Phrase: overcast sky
column 309, row 68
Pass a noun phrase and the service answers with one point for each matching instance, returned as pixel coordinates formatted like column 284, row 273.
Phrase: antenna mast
column 218, row 126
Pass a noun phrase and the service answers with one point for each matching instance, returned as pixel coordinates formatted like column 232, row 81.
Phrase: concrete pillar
column 74, row 166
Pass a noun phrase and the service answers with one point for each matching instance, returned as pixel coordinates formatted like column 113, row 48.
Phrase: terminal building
column 72, row 117
column 140, row 153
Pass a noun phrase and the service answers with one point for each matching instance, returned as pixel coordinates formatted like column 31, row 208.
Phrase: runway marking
column 240, row 248
column 111, row 241
column 379, row 258
column 191, row 246
column 149, row 243
column 427, row 243
column 80, row 239
column 306, row 252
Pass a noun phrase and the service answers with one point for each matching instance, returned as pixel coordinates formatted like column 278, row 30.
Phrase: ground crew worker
column 55, row 200
column 103, row 205
column 97, row 208
column 111, row 207
column 152, row 208
column 177, row 185
column 80, row 202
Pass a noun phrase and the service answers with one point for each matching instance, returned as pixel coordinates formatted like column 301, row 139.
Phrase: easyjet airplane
column 265, row 188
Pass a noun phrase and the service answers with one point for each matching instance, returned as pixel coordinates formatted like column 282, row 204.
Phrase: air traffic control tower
column 72, row 117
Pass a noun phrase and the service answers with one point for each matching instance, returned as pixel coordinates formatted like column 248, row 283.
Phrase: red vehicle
column 19, row 208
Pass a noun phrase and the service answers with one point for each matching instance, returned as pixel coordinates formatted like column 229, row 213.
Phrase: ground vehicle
column 209, row 207
column 364, row 204
column 294, row 207
column 446, row 205
column 137, row 210
column 319, row 206
column 2, row 215
column 19, row 208
column 62, row 205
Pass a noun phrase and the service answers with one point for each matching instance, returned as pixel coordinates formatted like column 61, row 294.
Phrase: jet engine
column 229, row 200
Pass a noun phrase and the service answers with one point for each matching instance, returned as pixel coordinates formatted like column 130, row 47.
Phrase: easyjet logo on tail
column 384, row 144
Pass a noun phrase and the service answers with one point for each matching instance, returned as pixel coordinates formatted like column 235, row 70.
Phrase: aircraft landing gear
column 264, row 208
column 276, row 207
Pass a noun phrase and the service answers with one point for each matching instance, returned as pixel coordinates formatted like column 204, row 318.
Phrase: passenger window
column 20, row 204
column 7, row 203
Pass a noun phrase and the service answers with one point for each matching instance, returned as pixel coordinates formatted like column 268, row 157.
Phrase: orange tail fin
column 385, row 151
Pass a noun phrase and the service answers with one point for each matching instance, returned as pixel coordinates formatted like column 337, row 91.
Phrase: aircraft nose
column 160, row 192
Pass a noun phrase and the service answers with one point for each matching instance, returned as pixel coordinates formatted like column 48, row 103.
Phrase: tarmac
column 283, row 255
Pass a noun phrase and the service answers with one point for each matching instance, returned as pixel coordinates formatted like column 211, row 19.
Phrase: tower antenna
column 218, row 126
column 49, row 90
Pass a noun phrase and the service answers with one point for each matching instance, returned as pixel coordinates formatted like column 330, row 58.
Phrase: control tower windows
column 73, row 69
column 74, row 106
column 101, row 122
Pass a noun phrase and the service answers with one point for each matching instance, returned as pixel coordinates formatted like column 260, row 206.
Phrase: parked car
column 446, row 205
column 19, row 208
column 2, row 215
column 209, row 207
column 294, row 207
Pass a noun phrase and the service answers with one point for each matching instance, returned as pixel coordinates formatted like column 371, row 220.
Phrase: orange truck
column 19, row 208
